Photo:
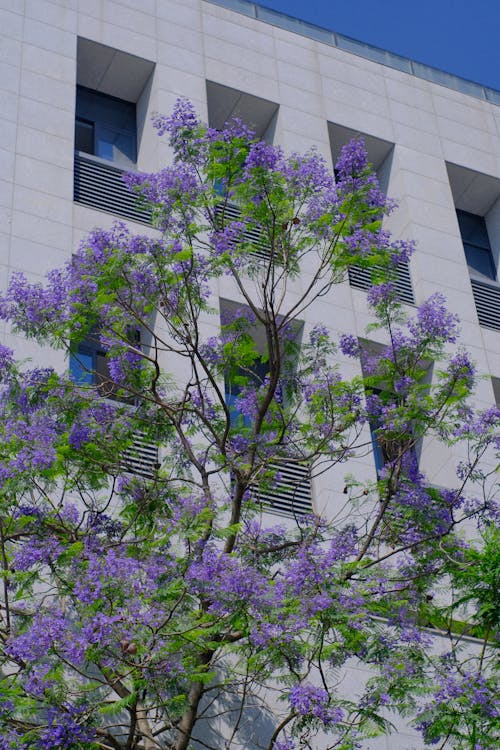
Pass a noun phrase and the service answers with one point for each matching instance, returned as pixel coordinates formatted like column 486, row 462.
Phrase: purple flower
column 79, row 435
column 353, row 159
column 262, row 156
column 461, row 367
column 35, row 551
column 180, row 126
column 307, row 699
column 434, row 321
column 226, row 240
column 381, row 294
column 65, row 727
column 349, row 345
column 318, row 334
column 6, row 361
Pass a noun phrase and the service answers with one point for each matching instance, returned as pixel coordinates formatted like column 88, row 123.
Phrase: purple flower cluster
column 37, row 551
column 284, row 745
column 6, row 362
column 349, row 345
column 353, row 160
column 307, row 699
column 226, row 240
column 65, row 728
column 262, row 156
column 318, row 335
column 381, row 294
column 434, row 321
column 180, row 126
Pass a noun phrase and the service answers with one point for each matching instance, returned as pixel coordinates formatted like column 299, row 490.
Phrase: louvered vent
column 141, row 458
column 228, row 212
column 291, row 494
column 101, row 186
column 361, row 279
column 487, row 299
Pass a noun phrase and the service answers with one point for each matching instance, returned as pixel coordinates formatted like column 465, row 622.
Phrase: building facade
column 81, row 80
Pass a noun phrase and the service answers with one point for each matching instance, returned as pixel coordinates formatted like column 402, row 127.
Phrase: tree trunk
column 186, row 724
column 144, row 729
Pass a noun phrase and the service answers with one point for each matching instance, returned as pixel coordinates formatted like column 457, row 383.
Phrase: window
column 88, row 365
column 260, row 115
column 477, row 203
column 380, row 156
column 384, row 450
column 225, row 103
column 388, row 447
column 379, row 151
column 106, row 127
column 392, row 443
column 476, row 243
column 496, row 390
column 233, row 389
column 253, row 337
column 285, row 484
column 112, row 106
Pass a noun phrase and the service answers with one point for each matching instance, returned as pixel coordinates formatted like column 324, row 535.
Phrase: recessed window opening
column 225, row 103
column 476, row 242
column 496, row 389
column 379, row 151
column 106, row 127
column 255, row 374
column 477, row 202
column 89, row 366
column 389, row 446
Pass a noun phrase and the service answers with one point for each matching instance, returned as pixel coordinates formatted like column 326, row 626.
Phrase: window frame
column 487, row 268
column 87, row 100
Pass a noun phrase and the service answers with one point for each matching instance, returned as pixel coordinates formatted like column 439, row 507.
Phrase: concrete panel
column 54, row 14
column 9, row 77
column 49, row 63
column 40, row 175
column 47, row 37
column 244, row 37
column 132, row 19
column 46, row 118
column 48, row 90
column 46, row 146
column 43, row 205
column 11, row 24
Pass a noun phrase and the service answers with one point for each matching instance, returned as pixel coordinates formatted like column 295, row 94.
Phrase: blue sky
column 460, row 36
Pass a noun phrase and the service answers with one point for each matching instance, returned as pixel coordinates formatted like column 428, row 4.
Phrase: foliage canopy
column 159, row 611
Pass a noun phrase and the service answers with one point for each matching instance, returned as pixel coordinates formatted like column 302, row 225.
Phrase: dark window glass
column 88, row 365
column 256, row 378
column 84, row 136
column 82, row 365
column 385, row 449
column 476, row 243
column 106, row 127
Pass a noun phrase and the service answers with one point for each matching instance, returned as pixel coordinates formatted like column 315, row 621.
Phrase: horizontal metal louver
column 101, row 186
column 141, row 458
column 291, row 494
column 487, row 299
column 360, row 278
column 229, row 212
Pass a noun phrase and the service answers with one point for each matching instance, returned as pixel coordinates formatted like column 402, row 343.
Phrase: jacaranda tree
column 171, row 611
